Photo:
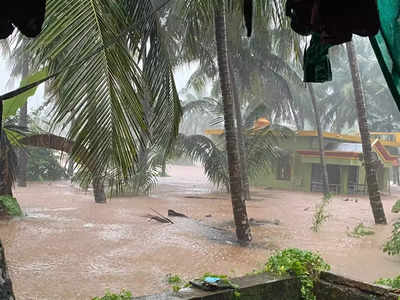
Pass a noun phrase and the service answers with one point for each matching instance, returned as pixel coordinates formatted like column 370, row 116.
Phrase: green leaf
column 12, row 105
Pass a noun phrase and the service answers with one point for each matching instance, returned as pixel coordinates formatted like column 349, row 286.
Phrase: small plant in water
column 173, row 279
column 320, row 215
column 124, row 295
column 361, row 230
column 392, row 247
column 300, row 263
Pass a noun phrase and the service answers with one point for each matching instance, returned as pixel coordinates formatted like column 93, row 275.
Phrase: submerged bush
column 392, row 247
column 396, row 207
column 361, row 230
column 10, row 205
column 300, row 263
column 124, row 295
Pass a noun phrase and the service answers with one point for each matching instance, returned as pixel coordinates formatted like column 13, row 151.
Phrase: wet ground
column 68, row 247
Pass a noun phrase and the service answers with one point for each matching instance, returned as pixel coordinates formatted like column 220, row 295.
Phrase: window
column 284, row 168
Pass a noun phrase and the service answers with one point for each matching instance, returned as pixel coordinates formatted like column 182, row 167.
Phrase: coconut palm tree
column 369, row 163
column 125, row 61
column 239, row 208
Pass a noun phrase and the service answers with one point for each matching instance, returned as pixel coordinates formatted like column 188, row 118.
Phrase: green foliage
column 43, row 165
column 392, row 282
column 124, row 295
column 361, row 230
column 303, row 264
column 320, row 215
column 173, row 279
column 11, row 206
column 12, row 105
column 396, row 207
column 392, row 247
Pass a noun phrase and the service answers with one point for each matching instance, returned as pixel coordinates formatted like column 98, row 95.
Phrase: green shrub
column 124, row 295
column 396, row 207
column 300, row 263
column 392, row 247
column 391, row 282
column 11, row 206
column 43, row 165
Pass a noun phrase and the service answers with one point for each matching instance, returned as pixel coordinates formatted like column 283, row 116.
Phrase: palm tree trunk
column 243, row 232
column 6, row 290
column 325, row 181
column 370, row 166
column 98, row 190
column 6, row 177
column 164, row 166
column 23, row 122
column 244, row 169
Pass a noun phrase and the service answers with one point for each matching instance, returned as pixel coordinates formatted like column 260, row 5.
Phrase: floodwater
column 68, row 247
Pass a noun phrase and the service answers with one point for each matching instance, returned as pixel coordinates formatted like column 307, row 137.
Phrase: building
column 298, row 167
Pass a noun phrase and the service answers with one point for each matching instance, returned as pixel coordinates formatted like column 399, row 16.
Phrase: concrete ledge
column 332, row 287
column 266, row 287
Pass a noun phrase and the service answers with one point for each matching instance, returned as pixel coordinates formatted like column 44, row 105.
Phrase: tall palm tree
column 244, row 169
column 369, row 162
column 321, row 145
column 243, row 232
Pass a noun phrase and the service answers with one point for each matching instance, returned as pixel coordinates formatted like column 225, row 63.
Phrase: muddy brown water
column 68, row 247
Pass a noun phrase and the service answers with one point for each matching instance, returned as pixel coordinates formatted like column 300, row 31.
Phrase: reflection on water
column 69, row 248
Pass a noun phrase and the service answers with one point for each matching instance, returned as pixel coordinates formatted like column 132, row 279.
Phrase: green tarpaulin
column 386, row 45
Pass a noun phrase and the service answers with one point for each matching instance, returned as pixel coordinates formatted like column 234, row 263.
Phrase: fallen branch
column 162, row 217
column 173, row 213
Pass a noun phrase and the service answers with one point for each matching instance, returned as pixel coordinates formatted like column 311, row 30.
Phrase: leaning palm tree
column 369, row 163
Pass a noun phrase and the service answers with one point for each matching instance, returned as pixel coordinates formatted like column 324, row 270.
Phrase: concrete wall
column 253, row 287
column 266, row 287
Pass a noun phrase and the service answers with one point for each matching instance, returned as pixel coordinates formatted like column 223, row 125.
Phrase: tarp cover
column 386, row 45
